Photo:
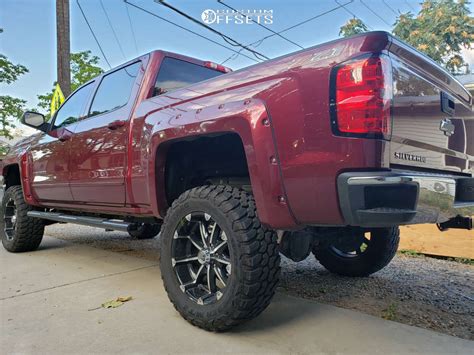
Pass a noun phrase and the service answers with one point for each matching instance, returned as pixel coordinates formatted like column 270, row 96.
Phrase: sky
column 29, row 35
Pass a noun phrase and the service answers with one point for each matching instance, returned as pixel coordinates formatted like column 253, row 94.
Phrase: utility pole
column 63, row 46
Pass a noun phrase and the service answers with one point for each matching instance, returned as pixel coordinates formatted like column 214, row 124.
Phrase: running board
column 85, row 221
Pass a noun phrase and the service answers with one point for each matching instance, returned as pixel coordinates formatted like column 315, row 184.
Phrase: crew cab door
column 50, row 155
column 100, row 142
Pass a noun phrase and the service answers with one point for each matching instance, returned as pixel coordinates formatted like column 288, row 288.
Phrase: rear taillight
column 361, row 98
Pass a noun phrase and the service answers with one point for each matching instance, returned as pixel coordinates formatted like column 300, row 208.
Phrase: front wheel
column 219, row 265
column 19, row 232
column 359, row 253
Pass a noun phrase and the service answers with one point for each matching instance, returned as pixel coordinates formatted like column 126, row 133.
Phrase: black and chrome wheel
column 219, row 265
column 356, row 252
column 19, row 232
column 201, row 258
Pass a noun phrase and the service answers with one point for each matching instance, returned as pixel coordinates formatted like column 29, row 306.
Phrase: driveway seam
column 78, row 282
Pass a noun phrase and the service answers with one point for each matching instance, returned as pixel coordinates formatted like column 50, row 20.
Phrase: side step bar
column 85, row 221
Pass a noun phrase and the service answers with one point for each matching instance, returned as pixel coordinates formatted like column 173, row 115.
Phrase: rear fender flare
column 248, row 119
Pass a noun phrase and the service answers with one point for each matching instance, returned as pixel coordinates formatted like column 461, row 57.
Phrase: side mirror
column 35, row 120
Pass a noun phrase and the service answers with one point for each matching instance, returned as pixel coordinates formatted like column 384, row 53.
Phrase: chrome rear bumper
column 403, row 197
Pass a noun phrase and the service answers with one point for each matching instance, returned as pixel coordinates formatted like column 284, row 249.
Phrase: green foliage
column 11, row 108
column 83, row 68
column 390, row 313
column 352, row 27
column 441, row 29
column 10, row 72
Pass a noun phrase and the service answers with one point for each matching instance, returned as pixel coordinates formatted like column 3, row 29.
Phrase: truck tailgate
column 433, row 122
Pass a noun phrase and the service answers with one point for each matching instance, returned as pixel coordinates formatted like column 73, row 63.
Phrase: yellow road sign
column 57, row 100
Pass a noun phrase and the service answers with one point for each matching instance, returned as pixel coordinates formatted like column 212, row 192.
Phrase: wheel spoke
column 197, row 274
column 221, row 260
column 203, row 232
column 211, row 279
column 190, row 238
column 219, row 247
column 219, row 275
column 184, row 260
column 214, row 227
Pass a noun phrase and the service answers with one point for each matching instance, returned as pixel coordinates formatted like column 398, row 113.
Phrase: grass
column 412, row 253
column 415, row 254
column 391, row 312
column 466, row 261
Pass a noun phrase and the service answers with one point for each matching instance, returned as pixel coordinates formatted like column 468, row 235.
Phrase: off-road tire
column 381, row 250
column 146, row 231
column 28, row 231
column 254, row 256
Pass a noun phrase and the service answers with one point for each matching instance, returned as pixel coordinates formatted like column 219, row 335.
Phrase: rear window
column 175, row 74
column 114, row 89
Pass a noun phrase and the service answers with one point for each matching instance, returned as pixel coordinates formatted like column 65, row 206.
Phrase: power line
column 131, row 28
column 390, row 7
column 353, row 14
column 226, row 38
column 93, row 34
column 376, row 14
column 297, row 25
column 190, row 31
column 411, row 7
column 261, row 25
column 112, row 28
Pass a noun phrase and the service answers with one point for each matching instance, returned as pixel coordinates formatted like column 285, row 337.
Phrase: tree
column 352, row 27
column 83, row 68
column 441, row 29
column 11, row 108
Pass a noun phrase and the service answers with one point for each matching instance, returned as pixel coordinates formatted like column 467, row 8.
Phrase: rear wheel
column 145, row 231
column 219, row 265
column 359, row 253
column 19, row 232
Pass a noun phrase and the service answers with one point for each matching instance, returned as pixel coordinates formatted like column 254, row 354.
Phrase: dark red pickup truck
column 327, row 150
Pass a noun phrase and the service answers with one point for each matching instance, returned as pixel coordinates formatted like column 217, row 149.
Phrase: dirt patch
column 420, row 291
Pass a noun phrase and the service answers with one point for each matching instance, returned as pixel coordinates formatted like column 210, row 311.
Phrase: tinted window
column 72, row 109
column 175, row 74
column 114, row 89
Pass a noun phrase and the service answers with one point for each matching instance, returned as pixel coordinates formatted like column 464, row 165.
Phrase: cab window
column 114, row 90
column 175, row 74
column 71, row 110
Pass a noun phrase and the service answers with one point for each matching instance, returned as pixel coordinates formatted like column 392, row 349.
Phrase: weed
column 391, row 312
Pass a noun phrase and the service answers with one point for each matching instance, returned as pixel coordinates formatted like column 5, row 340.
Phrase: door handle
column 65, row 136
column 116, row 124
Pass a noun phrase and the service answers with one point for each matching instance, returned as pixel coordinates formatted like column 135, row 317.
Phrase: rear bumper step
column 389, row 198
column 82, row 220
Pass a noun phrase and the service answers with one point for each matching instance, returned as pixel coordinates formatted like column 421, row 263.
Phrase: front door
column 50, row 153
column 100, row 141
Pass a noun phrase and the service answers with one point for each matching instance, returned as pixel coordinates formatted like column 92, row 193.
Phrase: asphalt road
column 50, row 303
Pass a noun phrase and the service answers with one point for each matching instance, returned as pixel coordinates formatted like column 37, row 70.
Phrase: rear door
column 99, row 146
column 433, row 122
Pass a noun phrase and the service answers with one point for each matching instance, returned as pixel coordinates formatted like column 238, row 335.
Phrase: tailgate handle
column 116, row 124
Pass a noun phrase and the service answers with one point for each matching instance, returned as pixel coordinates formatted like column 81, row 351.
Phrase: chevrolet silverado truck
column 324, row 151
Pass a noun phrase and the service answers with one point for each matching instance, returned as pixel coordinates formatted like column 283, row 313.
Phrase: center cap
column 204, row 256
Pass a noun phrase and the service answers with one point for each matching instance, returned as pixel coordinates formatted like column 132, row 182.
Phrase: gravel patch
column 425, row 292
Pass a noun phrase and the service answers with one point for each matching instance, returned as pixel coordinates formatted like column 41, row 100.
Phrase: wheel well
column 215, row 159
column 12, row 177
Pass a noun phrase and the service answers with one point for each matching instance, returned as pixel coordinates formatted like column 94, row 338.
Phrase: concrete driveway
column 50, row 303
